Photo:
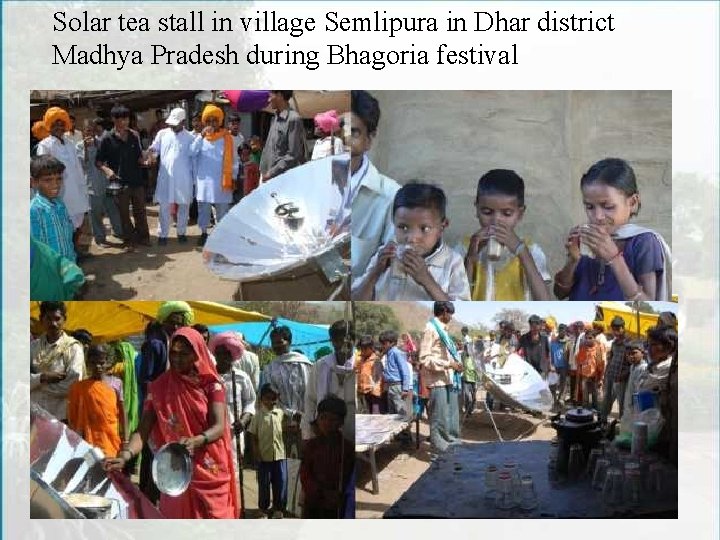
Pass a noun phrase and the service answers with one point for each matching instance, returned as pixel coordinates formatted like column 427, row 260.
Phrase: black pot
column 576, row 426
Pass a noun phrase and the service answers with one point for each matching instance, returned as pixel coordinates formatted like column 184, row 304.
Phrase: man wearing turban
column 327, row 144
column 215, row 163
column 74, row 191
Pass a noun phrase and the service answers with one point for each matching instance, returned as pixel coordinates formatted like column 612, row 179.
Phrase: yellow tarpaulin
column 110, row 320
column 606, row 311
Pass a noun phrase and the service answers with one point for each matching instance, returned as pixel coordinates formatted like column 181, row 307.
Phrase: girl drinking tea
column 622, row 261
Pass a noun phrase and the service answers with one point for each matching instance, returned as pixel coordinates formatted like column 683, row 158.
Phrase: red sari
column 181, row 404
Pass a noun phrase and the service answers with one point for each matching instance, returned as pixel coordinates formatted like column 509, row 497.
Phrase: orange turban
column 54, row 114
column 39, row 130
column 211, row 111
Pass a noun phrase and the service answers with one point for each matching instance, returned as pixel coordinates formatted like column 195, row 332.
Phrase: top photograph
column 511, row 195
column 201, row 194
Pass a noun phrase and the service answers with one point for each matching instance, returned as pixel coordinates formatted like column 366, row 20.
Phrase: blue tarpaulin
column 307, row 337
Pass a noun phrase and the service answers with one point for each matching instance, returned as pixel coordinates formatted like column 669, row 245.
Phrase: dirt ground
column 152, row 273
column 399, row 467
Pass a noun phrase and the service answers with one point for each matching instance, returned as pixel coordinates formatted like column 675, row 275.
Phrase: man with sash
column 440, row 361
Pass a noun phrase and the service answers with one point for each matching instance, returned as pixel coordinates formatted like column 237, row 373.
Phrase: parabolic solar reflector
column 518, row 385
column 285, row 223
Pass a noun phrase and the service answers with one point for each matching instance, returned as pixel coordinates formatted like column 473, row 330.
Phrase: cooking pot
column 172, row 469
column 91, row 506
column 576, row 426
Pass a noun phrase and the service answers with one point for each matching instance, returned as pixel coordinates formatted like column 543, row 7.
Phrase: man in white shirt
column 371, row 194
column 56, row 361
column 175, row 175
column 249, row 363
column 333, row 374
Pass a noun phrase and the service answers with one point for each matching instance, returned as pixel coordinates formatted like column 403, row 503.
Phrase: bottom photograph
column 192, row 410
column 516, row 410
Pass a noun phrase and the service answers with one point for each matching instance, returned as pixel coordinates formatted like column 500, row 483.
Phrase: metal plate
column 172, row 469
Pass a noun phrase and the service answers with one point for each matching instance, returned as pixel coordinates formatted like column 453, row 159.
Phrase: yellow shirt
column 510, row 283
column 266, row 425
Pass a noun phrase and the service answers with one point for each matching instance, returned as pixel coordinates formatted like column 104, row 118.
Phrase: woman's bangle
column 129, row 452
column 205, row 437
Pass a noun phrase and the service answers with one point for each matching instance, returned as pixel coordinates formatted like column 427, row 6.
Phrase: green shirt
column 469, row 373
column 266, row 425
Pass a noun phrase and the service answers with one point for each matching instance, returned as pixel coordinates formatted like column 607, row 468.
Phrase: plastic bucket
column 645, row 400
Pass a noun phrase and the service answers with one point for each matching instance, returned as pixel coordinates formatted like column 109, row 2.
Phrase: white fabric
column 204, row 214
column 65, row 356
column 446, row 267
column 209, row 170
column 175, row 173
column 289, row 374
column 664, row 287
column 327, row 377
column 249, row 363
column 183, row 213
column 74, row 192
column 327, row 146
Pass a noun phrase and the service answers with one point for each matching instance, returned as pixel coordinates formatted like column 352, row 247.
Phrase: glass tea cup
column 528, row 497
column 600, row 472
column 613, row 488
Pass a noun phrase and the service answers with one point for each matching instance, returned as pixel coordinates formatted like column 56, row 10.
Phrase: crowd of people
column 399, row 253
column 189, row 385
column 584, row 364
column 112, row 170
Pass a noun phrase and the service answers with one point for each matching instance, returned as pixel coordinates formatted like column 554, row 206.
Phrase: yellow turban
column 39, row 130
column 54, row 114
column 211, row 111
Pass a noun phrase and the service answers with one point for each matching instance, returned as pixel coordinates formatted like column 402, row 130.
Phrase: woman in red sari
column 187, row 404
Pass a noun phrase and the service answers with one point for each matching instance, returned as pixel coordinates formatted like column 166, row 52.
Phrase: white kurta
column 74, row 192
column 175, row 174
column 209, row 163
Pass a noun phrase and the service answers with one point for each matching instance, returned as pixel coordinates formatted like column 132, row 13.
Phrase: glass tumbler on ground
column 575, row 462
column 528, row 497
column 613, row 489
column 632, row 484
column 504, row 499
column 601, row 467
column 491, row 473
column 595, row 454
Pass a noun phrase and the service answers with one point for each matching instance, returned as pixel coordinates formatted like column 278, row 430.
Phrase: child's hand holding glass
column 385, row 256
column 599, row 241
column 415, row 267
column 505, row 234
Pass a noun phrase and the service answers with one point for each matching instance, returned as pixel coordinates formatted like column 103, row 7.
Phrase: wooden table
column 371, row 432
column 454, row 487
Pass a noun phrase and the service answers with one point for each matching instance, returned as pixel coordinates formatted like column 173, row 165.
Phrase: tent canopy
column 606, row 311
column 306, row 337
column 111, row 320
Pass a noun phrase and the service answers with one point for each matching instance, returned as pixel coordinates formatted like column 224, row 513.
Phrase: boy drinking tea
column 499, row 264
column 417, row 265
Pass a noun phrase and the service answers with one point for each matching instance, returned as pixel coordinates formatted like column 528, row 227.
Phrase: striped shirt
column 50, row 223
